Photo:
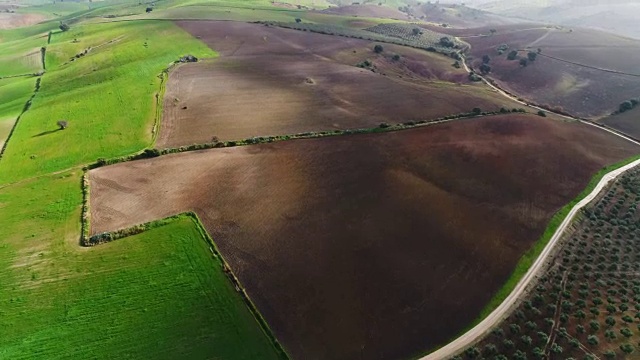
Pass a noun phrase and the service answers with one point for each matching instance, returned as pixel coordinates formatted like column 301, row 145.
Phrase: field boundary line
column 382, row 128
column 107, row 237
column 17, row 76
column 587, row 66
column 499, row 313
column 26, row 107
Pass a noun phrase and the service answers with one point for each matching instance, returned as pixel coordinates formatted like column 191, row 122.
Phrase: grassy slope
column 107, row 96
column 14, row 93
column 157, row 295
column 21, row 56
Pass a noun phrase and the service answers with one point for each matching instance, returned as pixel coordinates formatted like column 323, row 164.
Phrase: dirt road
column 502, row 311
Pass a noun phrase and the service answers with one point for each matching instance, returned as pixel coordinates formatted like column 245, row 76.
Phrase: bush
column 524, row 62
column 532, row 56
column 446, row 42
column 542, row 113
column 512, row 55
column 378, row 49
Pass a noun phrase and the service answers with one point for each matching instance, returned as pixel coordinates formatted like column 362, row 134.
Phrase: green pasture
column 107, row 97
column 157, row 295
column 22, row 56
column 14, row 93
column 55, row 9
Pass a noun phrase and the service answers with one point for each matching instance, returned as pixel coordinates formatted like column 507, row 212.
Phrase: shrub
column 512, row 55
column 378, row 49
column 532, row 56
column 524, row 62
column 542, row 113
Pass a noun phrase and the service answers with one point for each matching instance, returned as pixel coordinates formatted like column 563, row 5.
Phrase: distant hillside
column 618, row 16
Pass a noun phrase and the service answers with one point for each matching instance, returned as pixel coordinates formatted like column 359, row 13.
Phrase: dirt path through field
column 532, row 274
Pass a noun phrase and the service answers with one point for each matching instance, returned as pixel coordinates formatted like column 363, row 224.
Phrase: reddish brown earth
column 270, row 81
column 377, row 246
column 627, row 122
column 574, row 73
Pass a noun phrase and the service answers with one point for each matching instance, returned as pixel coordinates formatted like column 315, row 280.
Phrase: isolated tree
column 486, row 59
column 62, row 124
column 489, row 349
column 556, row 349
column 626, row 332
column 538, row 353
column 378, row 49
column 472, row 352
column 519, row 355
column 298, row 20
column 485, row 69
column 610, row 321
column 610, row 354
column 609, row 334
column 512, row 55
column 507, row 343
column 626, row 106
column 64, row 27
column 524, row 62
column 626, row 348
column 593, row 340
column 594, row 325
column 478, row 111
column 446, row 42
column 532, row 56
column 416, row 31
column 493, row 31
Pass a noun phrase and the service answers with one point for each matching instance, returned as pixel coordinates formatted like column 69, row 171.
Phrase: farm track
column 502, row 311
column 589, row 66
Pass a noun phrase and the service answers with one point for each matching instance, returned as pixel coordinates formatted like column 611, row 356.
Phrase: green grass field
column 22, row 56
column 107, row 96
column 14, row 93
column 159, row 295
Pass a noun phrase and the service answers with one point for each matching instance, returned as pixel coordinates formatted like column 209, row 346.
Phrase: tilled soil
column 273, row 81
column 376, row 246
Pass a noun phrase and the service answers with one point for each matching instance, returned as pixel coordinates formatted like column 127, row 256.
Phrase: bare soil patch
column 14, row 20
column 370, row 246
column 573, row 73
column 259, row 86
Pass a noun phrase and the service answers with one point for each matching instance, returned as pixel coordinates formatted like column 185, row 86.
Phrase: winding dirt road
column 502, row 311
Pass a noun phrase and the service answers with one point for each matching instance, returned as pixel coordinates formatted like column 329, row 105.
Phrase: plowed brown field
column 271, row 81
column 376, row 246
column 583, row 72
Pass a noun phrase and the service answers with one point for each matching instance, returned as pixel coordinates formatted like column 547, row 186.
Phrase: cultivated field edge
column 140, row 228
column 528, row 259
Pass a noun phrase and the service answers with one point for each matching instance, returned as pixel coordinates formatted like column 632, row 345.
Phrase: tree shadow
column 46, row 133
